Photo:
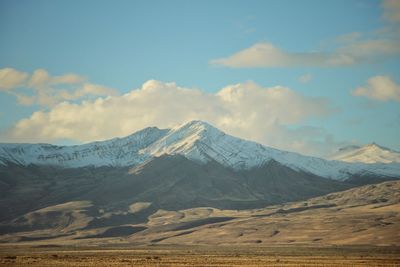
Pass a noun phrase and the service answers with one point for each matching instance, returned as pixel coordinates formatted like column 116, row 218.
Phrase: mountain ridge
column 196, row 140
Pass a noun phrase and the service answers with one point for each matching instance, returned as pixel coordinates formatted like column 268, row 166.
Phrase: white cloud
column 245, row 110
column 305, row 78
column 41, row 78
column 87, row 89
column 381, row 88
column 267, row 55
column 368, row 50
column 46, row 90
column 23, row 99
column 348, row 49
column 69, row 78
column 349, row 37
column 11, row 78
column 391, row 10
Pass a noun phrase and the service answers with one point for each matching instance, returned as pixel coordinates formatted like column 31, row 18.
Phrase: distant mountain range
column 49, row 191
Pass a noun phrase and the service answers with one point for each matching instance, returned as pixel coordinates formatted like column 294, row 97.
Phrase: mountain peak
column 184, row 139
column 376, row 146
column 197, row 125
column 369, row 153
column 194, row 130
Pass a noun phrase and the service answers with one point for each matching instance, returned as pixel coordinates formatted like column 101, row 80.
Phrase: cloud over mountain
column 247, row 110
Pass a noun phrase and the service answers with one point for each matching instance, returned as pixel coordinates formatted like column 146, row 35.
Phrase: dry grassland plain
column 200, row 256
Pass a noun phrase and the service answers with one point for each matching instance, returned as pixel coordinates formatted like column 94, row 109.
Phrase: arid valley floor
column 201, row 256
column 357, row 227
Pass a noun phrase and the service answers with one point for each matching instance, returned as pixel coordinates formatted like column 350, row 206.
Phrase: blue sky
column 195, row 44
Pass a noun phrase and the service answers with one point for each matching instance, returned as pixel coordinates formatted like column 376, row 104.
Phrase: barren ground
column 200, row 256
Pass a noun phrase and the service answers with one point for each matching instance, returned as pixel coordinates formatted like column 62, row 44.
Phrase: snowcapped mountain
column 371, row 153
column 197, row 141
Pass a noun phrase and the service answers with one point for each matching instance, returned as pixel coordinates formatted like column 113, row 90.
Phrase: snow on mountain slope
column 202, row 142
column 195, row 140
column 114, row 152
column 371, row 153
